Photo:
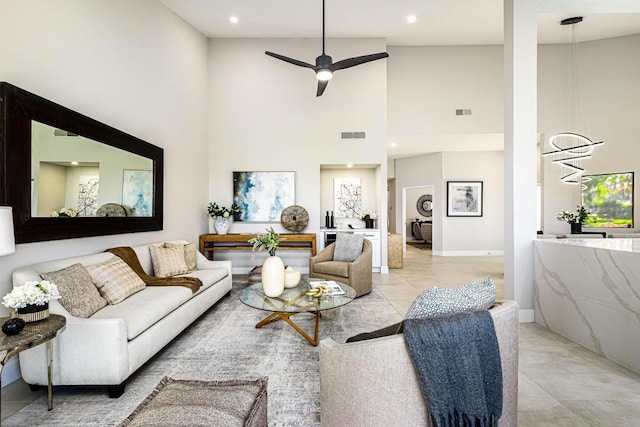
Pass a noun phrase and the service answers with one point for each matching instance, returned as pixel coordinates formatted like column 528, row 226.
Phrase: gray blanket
column 457, row 360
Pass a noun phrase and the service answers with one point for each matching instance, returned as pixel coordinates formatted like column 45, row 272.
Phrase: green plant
column 215, row 210
column 269, row 241
column 581, row 216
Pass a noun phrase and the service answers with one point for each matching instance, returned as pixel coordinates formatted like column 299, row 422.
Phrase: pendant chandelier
column 573, row 146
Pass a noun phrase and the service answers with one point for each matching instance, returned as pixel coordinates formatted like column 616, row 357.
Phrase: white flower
column 31, row 293
column 226, row 214
column 54, row 214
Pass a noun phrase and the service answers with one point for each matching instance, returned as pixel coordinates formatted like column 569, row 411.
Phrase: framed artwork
column 464, row 198
column 262, row 196
column 347, row 197
column 137, row 192
column 88, row 195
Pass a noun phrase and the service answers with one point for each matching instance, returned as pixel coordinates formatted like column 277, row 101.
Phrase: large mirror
column 67, row 175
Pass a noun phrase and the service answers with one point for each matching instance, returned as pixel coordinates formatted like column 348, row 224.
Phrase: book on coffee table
column 332, row 287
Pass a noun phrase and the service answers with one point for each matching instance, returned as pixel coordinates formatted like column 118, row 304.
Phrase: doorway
column 417, row 208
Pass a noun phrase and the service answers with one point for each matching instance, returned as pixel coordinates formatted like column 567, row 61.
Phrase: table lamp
column 7, row 239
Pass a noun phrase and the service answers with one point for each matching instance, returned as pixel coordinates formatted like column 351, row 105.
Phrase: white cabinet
column 370, row 234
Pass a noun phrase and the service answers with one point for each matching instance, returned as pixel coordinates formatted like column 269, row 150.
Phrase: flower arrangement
column 65, row 212
column 367, row 215
column 582, row 215
column 31, row 293
column 269, row 241
column 215, row 210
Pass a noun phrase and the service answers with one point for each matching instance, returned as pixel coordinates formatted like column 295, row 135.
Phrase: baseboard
column 11, row 372
column 470, row 253
column 526, row 316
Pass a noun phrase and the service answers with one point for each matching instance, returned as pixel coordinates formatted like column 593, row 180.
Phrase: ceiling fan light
column 324, row 75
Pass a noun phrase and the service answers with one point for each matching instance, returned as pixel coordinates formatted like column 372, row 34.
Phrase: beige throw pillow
column 115, row 280
column 190, row 257
column 168, row 261
column 78, row 295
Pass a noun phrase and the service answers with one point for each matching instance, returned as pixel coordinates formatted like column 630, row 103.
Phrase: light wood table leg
column 274, row 317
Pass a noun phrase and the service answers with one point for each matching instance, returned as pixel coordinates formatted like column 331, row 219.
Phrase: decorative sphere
column 291, row 277
column 13, row 326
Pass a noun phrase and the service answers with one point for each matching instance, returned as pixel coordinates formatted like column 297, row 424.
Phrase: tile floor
column 560, row 383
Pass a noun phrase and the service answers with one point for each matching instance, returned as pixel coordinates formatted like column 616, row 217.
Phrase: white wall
column 265, row 116
column 132, row 65
column 427, row 84
column 609, row 84
column 475, row 235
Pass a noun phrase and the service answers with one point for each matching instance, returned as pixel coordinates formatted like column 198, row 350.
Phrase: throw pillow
column 394, row 329
column 168, row 261
column 78, row 295
column 115, row 280
column 434, row 302
column 190, row 257
column 348, row 247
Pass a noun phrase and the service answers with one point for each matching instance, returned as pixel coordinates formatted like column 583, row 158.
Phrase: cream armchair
column 356, row 274
column 373, row 382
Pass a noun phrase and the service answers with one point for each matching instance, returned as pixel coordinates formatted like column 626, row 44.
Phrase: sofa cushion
column 434, row 302
column 115, row 280
column 190, row 251
column 208, row 276
column 145, row 308
column 348, row 247
column 78, row 295
column 334, row 268
column 168, row 260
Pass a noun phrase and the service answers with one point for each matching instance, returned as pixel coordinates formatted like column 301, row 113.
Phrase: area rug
column 225, row 345
column 420, row 245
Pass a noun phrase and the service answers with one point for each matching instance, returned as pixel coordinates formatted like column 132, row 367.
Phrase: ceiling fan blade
column 322, row 85
column 352, row 62
column 290, row 60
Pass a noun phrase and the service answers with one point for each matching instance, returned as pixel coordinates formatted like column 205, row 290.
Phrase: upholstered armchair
column 373, row 382
column 356, row 274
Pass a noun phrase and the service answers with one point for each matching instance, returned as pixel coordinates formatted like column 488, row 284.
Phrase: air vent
column 463, row 112
column 353, row 135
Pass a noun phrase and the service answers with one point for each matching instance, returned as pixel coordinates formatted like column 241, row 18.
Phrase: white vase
column 222, row 225
column 273, row 276
column 291, row 277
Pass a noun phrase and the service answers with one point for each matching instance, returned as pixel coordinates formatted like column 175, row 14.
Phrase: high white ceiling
column 438, row 23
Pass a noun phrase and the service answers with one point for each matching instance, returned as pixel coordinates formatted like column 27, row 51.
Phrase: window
column 609, row 198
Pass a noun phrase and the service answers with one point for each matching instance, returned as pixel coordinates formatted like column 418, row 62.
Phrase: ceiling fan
column 325, row 67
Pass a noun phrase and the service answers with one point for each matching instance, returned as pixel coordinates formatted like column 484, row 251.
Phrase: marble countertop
column 622, row 245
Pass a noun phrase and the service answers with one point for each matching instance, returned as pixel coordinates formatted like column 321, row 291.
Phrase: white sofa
column 106, row 348
column 374, row 383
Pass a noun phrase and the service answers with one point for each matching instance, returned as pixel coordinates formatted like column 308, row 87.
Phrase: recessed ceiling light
column 411, row 19
column 233, row 19
column 394, row 144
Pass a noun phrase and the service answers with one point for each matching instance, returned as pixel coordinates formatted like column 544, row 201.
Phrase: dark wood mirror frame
column 17, row 109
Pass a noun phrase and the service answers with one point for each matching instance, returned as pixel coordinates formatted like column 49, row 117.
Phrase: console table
column 209, row 243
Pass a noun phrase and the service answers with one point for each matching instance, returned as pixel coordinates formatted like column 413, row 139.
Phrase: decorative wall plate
column 425, row 205
column 111, row 209
column 294, row 218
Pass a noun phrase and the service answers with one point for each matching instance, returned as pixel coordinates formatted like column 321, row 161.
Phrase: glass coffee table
column 294, row 301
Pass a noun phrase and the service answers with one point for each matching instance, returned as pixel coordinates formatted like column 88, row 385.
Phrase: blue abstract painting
column 137, row 192
column 262, row 196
